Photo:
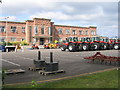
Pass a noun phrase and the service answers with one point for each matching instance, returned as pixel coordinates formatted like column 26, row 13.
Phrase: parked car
column 2, row 48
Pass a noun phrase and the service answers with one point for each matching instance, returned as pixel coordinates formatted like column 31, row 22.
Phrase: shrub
column 11, row 43
column 24, row 43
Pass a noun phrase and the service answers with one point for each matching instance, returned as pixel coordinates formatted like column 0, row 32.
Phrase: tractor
column 115, row 43
column 71, row 44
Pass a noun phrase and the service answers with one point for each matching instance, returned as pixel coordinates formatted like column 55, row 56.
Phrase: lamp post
column 6, row 31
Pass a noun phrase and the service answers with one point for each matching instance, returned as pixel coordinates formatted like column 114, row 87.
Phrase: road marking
column 67, row 77
column 10, row 62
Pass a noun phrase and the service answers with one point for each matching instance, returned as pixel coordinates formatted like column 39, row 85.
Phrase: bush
column 11, row 43
column 24, row 43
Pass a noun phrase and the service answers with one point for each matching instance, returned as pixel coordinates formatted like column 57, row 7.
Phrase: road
column 72, row 62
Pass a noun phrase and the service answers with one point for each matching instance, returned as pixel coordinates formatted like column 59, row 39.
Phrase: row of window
column 11, row 39
column 36, row 30
column 60, row 31
column 42, row 30
column 74, row 32
column 13, row 29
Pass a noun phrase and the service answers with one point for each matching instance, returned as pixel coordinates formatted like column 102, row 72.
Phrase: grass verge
column 107, row 79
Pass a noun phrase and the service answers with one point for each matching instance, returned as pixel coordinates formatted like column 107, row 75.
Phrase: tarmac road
column 72, row 62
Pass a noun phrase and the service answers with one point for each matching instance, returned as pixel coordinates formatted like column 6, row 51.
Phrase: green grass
column 107, row 79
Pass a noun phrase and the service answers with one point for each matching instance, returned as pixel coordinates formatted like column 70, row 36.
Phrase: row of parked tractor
column 90, row 44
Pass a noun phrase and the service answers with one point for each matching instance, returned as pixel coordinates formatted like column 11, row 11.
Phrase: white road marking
column 10, row 62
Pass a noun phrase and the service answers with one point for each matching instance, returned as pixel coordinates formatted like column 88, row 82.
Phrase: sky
column 103, row 15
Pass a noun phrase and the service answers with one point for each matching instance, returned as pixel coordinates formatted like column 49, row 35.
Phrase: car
column 2, row 48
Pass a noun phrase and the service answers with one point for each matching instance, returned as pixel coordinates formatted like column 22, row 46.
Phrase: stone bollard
column 39, row 63
column 51, row 66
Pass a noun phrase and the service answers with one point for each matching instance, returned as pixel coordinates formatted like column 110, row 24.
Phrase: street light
column 6, row 31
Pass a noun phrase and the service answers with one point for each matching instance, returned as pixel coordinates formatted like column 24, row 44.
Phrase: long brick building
column 40, row 31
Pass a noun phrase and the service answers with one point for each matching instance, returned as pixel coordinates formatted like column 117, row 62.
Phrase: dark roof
column 42, row 19
column 75, row 26
column 13, row 22
column 29, row 20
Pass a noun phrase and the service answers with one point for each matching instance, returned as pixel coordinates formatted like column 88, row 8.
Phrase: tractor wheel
column 95, row 46
column 63, row 48
column 85, row 47
column 104, row 46
column 110, row 46
column 80, row 47
column 71, row 47
column 116, row 46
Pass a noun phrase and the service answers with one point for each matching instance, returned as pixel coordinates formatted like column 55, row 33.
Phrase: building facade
column 40, row 31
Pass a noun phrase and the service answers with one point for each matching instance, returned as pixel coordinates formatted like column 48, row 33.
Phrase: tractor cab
column 86, row 39
column 100, row 39
column 113, row 41
column 91, row 39
column 72, row 39
column 95, row 39
column 105, row 40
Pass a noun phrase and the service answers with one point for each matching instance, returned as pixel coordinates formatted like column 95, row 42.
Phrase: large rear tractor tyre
column 85, row 47
column 116, row 46
column 72, row 47
column 63, row 48
column 95, row 46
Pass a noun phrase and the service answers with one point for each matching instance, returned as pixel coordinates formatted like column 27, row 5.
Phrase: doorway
column 41, row 41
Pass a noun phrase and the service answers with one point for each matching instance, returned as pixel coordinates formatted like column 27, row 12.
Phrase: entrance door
column 41, row 41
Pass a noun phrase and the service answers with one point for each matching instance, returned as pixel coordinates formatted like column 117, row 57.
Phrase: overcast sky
column 104, row 15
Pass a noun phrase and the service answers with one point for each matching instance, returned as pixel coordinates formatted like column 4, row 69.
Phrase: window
column 13, row 29
column 42, row 30
column 67, row 32
column 74, row 32
column 93, row 32
column 86, row 32
column 35, row 30
column 13, row 39
column 50, row 31
column 60, row 31
column 2, row 28
column 80, row 32
column 23, row 29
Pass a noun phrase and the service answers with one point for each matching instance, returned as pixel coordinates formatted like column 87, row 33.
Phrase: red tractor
column 115, row 43
column 71, row 43
column 85, row 44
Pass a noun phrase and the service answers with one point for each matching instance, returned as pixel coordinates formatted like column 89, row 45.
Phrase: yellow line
column 68, row 77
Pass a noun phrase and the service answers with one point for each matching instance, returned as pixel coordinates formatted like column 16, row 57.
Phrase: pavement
column 72, row 62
